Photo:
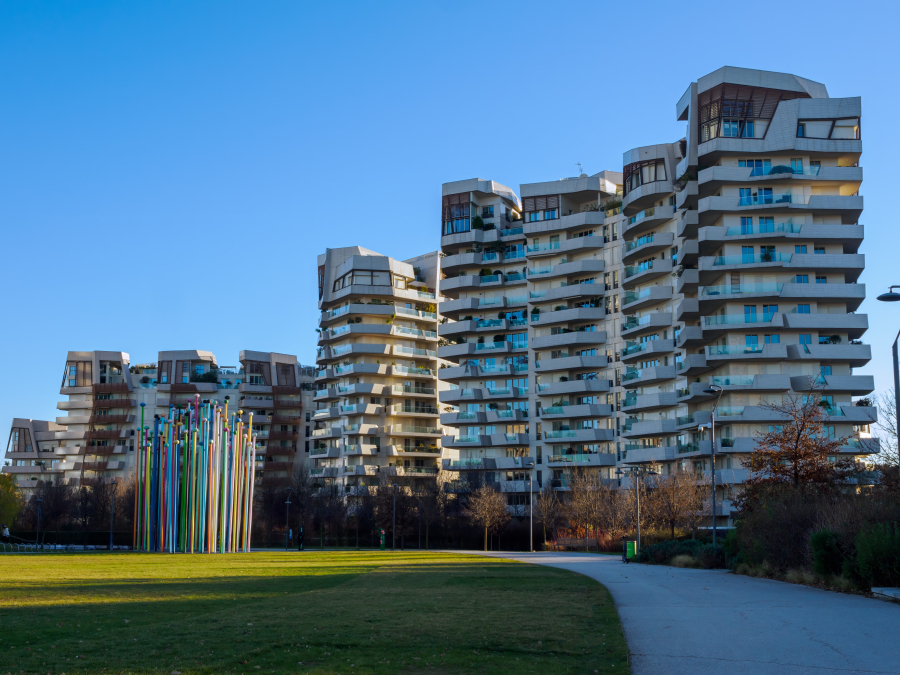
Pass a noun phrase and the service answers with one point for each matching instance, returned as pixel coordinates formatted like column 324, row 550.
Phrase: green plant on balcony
column 357, row 319
column 477, row 223
column 834, row 340
column 390, row 319
column 481, row 339
column 460, row 339
column 417, row 271
column 145, row 380
column 492, row 406
column 499, row 338
column 497, row 273
column 467, row 317
column 211, row 376
column 563, row 378
column 485, row 272
column 559, row 308
column 536, row 310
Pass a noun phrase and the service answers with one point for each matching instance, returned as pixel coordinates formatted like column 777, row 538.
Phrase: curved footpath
column 694, row 622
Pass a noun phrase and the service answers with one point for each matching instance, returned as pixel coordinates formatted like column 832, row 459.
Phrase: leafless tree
column 586, row 506
column 677, row 496
column 487, row 509
column 550, row 510
column 886, row 404
column 434, row 500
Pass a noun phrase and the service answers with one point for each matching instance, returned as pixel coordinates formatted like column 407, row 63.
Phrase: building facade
column 726, row 261
column 105, row 397
column 376, row 388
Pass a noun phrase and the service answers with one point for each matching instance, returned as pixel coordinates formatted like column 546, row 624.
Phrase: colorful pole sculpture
column 196, row 473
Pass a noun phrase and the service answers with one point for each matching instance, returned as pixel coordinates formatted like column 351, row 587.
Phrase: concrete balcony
column 647, row 402
column 463, row 418
column 649, row 245
column 748, row 383
column 688, row 224
column 647, row 376
column 650, row 323
column 452, row 307
column 505, row 416
column 856, row 385
column 647, row 297
column 716, row 354
column 472, row 282
column 326, row 414
column 854, row 325
column 570, row 269
column 340, row 314
column 690, row 336
column 456, row 373
column 572, row 387
column 339, row 331
column 635, row 276
column 574, row 245
column 573, row 338
column 567, row 363
column 647, row 220
column 856, row 356
column 573, row 292
column 579, row 436
column 563, row 457
column 851, row 265
column 647, row 350
column 456, row 396
column 576, row 315
column 651, row 428
column 711, row 209
column 646, row 196
column 712, row 179
column 355, row 349
column 851, row 294
column 645, row 455
column 573, row 222
column 688, row 282
column 711, row 239
column 692, row 365
column 687, row 198
column 333, row 432
column 576, row 411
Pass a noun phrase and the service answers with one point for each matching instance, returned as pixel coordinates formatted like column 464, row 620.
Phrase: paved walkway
column 700, row 622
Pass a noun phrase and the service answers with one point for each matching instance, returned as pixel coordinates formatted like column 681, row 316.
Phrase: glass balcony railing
column 638, row 269
column 730, row 289
column 489, row 323
column 551, row 246
column 781, row 169
column 535, row 271
column 489, row 302
column 466, row 416
column 763, row 228
column 407, row 370
column 682, row 448
column 634, row 322
column 748, row 259
column 560, row 434
column 684, row 419
column 729, row 411
column 637, row 243
column 653, row 211
column 632, row 296
column 517, row 276
column 634, row 348
column 724, row 350
column 411, row 429
column 631, row 375
column 726, row 380
column 511, row 231
column 512, row 255
column 481, row 346
column 402, row 389
column 339, row 311
column 409, row 351
column 341, row 349
column 764, row 199
column 467, row 439
column 725, row 319
column 505, row 391
column 537, row 294
column 517, row 300
column 489, row 256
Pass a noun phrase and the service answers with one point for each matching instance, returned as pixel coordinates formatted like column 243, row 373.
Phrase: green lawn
column 341, row 612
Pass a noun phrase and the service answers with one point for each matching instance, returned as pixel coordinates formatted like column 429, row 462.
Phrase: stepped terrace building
column 96, row 437
column 588, row 333
column 376, row 388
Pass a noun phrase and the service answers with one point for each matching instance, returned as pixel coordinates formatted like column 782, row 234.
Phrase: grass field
column 340, row 612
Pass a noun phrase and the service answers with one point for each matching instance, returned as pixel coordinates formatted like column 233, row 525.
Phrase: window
column 802, row 309
column 534, row 216
column 824, row 340
column 819, row 250
column 72, row 371
column 746, row 225
column 731, row 128
column 821, row 280
column 760, row 167
column 805, row 339
column 802, row 279
column 487, row 211
column 769, row 310
column 814, row 167
column 751, row 341
column 71, row 383
column 797, row 165
column 800, row 248
column 519, row 340
column 824, row 370
column 747, row 130
column 801, row 130
column 551, row 214
column 772, row 339
column 199, row 369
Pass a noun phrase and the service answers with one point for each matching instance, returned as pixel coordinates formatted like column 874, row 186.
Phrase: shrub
column 878, row 554
column 666, row 552
column 686, row 561
column 827, row 556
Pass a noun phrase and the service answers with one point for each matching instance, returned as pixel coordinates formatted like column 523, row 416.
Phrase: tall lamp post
column 531, row 507
column 890, row 296
column 394, row 526
column 287, row 517
column 636, row 471
column 38, row 537
column 112, row 513
column 714, row 390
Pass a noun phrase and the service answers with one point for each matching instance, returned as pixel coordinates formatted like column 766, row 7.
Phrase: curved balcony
column 650, row 429
column 341, row 352
column 687, row 310
column 645, row 272
column 711, row 209
column 647, row 350
column 647, row 376
column 579, row 436
column 711, row 239
column 634, row 300
column 574, row 245
column 577, row 410
column 715, row 148
column 569, row 269
column 741, row 352
column 712, row 179
column 569, row 339
column 854, row 325
column 646, row 220
column 564, row 223
column 572, row 292
column 691, row 365
column 575, row 315
column 688, row 222
column 856, row 356
column 572, row 387
column 571, row 363
column 647, row 245
column 647, row 402
column 645, row 196
column 568, row 457
column 634, row 327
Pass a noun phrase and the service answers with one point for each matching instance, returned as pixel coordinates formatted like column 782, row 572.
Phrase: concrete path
column 700, row 622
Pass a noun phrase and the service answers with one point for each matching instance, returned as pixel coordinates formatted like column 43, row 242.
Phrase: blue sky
column 169, row 171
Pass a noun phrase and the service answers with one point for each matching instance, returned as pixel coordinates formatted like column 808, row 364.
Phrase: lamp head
column 890, row 296
column 713, row 390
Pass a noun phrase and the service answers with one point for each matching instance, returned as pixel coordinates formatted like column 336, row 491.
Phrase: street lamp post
column 635, row 471
column 394, row 526
column 890, row 296
column 287, row 518
column 716, row 390
column 531, row 508
column 112, row 513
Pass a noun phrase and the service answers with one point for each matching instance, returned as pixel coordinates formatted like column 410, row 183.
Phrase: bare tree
column 550, row 510
column 586, row 506
column 487, row 509
column 886, row 405
column 700, row 506
column 301, row 495
column 434, row 500
column 677, row 495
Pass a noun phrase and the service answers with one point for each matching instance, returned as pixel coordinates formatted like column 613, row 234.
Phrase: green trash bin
column 630, row 549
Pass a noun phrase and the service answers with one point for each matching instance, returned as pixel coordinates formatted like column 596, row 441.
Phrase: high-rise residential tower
column 376, row 392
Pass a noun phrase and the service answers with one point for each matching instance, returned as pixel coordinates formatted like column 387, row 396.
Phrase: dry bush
column 686, row 561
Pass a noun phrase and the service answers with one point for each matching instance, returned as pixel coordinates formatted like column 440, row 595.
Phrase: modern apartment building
column 96, row 438
column 376, row 399
column 732, row 261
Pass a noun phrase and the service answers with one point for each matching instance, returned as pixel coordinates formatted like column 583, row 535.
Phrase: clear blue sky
column 169, row 170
